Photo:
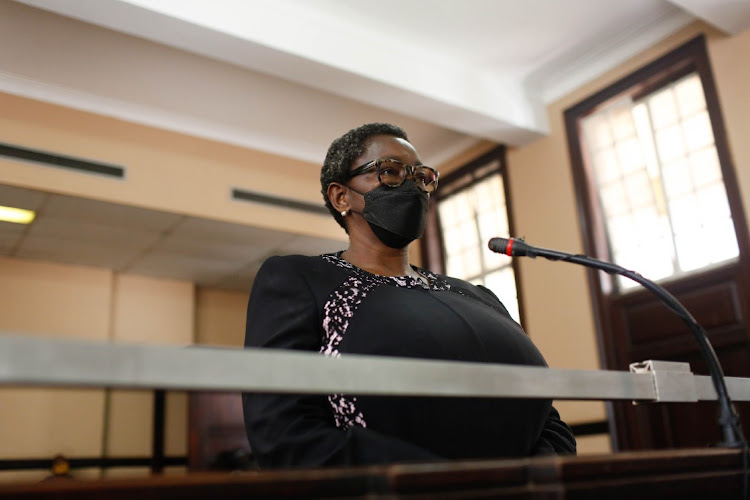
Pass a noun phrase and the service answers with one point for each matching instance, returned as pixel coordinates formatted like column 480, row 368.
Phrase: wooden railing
column 685, row 474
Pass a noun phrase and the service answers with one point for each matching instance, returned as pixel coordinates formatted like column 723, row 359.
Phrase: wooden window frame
column 692, row 56
column 619, row 316
column 432, row 248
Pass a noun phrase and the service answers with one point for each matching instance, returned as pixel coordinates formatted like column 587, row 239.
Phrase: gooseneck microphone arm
column 728, row 419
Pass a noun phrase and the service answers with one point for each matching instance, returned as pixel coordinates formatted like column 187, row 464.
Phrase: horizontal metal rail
column 49, row 362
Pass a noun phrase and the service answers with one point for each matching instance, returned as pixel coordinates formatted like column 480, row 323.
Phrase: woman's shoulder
column 292, row 260
column 295, row 264
column 479, row 292
column 467, row 286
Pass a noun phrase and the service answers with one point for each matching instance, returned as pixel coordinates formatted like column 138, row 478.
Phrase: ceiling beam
column 730, row 16
column 323, row 52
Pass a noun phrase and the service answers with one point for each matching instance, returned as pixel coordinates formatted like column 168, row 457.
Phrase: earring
column 344, row 212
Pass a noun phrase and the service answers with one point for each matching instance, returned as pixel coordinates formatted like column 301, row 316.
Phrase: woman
column 369, row 300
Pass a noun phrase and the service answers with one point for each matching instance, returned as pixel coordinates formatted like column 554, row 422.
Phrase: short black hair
column 344, row 150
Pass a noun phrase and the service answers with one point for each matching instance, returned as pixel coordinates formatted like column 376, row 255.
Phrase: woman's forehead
column 388, row 146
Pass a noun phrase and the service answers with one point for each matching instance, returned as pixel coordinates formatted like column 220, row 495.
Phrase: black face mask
column 397, row 215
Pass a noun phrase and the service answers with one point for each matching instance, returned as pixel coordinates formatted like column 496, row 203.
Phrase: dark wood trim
column 157, row 442
column 90, row 462
column 445, row 188
column 662, row 69
column 590, row 428
column 667, row 77
column 652, row 475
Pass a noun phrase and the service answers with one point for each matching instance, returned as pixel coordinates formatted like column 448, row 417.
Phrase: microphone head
column 512, row 247
column 501, row 245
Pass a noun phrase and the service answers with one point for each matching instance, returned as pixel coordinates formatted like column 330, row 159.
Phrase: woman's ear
column 339, row 196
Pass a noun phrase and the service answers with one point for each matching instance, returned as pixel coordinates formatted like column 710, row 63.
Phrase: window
column 657, row 193
column 472, row 208
column 659, row 182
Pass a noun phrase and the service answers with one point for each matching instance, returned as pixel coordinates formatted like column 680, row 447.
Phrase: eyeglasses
column 393, row 173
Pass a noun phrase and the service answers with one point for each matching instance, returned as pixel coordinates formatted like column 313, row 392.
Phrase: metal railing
column 51, row 362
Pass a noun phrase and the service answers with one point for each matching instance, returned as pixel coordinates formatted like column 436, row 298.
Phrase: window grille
column 659, row 182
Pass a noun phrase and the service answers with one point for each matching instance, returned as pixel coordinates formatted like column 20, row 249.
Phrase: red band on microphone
column 509, row 248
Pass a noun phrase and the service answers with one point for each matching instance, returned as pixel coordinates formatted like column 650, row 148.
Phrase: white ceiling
column 287, row 76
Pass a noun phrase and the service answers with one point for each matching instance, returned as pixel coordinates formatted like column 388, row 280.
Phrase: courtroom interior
column 167, row 149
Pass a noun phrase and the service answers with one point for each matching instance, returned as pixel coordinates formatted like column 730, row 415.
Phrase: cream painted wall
column 40, row 298
column 558, row 307
column 64, row 301
column 164, row 170
column 467, row 156
column 220, row 317
column 147, row 311
column 729, row 60
column 44, row 299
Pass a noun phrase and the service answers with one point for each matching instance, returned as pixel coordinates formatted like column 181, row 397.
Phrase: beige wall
column 558, row 307
column 64, row 301
column 729, row 60
column 467, row 156
column 156, row 162
column 147, row 310
column 220, row 317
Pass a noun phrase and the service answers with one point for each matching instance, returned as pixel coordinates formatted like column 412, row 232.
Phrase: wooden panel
column 703, row 473
column 645, row 329
column 217, row 431
column 670, row 425
column 677, row 474
column 712, row 307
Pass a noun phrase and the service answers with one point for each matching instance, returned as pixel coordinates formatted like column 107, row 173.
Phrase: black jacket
column 325, row 304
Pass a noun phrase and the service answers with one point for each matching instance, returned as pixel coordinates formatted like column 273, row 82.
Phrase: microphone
column 729, row 421
column 513, row 247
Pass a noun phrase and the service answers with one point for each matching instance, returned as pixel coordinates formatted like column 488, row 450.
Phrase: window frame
column 634, row 326
column 690, row 57
column 431, row 245
column 631, row 102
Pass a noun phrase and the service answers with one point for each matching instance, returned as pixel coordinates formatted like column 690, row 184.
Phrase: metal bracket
column 673, row 381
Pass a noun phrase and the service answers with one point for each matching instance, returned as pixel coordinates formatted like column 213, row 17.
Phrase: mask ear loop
column 358, row 192
column 351, row 210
